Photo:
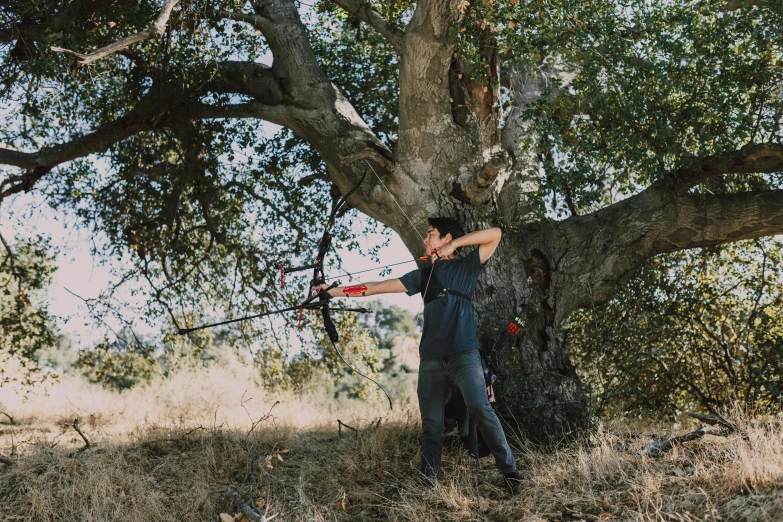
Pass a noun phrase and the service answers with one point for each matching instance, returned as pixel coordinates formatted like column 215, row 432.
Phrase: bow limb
column 343, row 201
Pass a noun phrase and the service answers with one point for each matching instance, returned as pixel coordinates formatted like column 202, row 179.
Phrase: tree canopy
column 205, row 140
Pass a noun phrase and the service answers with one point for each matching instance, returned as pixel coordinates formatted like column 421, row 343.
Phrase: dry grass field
column 170, row 450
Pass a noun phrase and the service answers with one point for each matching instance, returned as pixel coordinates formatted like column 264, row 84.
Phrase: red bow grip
column 356, row 290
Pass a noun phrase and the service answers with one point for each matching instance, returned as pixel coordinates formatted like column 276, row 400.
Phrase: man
column 449, row 348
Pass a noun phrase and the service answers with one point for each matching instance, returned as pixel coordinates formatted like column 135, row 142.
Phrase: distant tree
column 26, row 327
column 119, row 365
column 388, row 322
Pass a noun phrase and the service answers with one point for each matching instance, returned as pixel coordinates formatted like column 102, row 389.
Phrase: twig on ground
column 340, row 425
column 660, row 447
column 79, row 431
column 194, row 430
column 248, row 511
column 713, row 418
column 251, row 442
column 178, row 439
column 375, row 424
column 264, row 417
column 13, row 422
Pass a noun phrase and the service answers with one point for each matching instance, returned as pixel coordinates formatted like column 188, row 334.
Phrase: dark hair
column 445, row 225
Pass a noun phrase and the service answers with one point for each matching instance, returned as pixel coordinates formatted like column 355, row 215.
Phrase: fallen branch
column 660, row 447
column 375, row 424
column 154, row 31
column 79, row 431
column 714, row 418
column 248, row 511
column 340, row 425
column 13, row 422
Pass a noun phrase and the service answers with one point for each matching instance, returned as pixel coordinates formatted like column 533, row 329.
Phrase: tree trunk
column 539, row 392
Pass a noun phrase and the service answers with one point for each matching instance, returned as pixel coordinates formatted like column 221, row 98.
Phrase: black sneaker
column 513, row 481
column 427, row 482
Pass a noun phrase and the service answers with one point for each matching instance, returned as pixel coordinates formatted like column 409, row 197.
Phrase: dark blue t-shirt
column 449, row 325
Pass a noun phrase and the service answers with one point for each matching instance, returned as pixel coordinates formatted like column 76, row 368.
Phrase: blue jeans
column 464, row 370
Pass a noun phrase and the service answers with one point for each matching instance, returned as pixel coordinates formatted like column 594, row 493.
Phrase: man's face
column 433, row 241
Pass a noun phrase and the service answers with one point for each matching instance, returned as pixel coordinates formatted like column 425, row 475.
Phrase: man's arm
column 389, row 286
column 486, row 239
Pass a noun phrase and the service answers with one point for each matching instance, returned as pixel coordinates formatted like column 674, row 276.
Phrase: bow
column 319, row 279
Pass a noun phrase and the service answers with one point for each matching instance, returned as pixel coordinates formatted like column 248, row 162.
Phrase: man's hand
column 444, row 251
column 337, row 291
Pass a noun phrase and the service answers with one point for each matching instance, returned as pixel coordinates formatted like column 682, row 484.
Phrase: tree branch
column 614, row 242
column 752, row 158
column 31, row 32
column 162, row 106
column 154, row 31
column 602, row 251
column 274, row 114
column 9, row 156
column 426, row 58
column 696, row 220
column 365, row 12
column 252, row 79
column 295, row 92
column 38, row 164
column 257, row 21
column 660, row 447
column 165, row 105
column 87, row 444
column 287, row 37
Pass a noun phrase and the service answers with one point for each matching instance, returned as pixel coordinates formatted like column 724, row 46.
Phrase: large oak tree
column 597, row 134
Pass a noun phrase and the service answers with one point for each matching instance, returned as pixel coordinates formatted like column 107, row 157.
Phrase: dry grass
column 170, row 450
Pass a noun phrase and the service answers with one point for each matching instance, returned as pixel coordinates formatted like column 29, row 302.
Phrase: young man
column 449, row 348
